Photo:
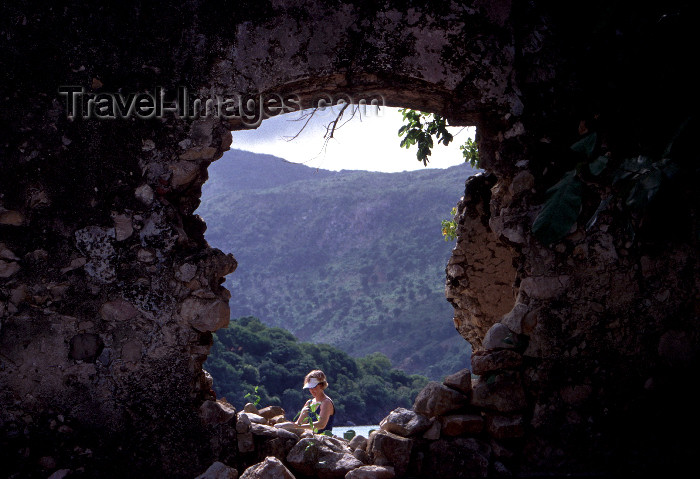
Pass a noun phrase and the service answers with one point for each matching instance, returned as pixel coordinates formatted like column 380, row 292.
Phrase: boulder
column 437, row 399
column 486, row 361
column 322, row 456
column 371, row 472
column 458, row 458
column 505, row 427
column 405, row 422
column 387, row 449
column 270, row 412
column 502, row 392
column 462, row 424
column 358, row 442
column 270, row 468
column 219, row 470
column 460, row 381
column 255, row 418
column 215, row 412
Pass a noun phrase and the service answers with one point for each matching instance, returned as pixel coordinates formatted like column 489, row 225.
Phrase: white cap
column 313, row 382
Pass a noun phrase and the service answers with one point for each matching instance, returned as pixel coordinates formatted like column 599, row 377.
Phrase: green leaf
column 560, row 211
column 597, row 166
column 586, row 145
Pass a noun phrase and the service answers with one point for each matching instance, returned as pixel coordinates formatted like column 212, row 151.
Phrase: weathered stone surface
column 204, row 315
column 499, row 337
column 371, row 472
column 323, row 457
column 505, row 427
column 433, row 433
column 458, row 458
column 501, row 392
column 118, row 310
column 437, row 399
column 461, row 381
column 243, row 423
column 271, row 411
column 404, row 422
column 219, row 470
column 487, row 361
column 216, row 412
column 254, row 418
column 245, row 442
column 387, row 449
column 270, row 468
column 263, row 430
column 462, row 424
column 85, row 347
column 358, row 442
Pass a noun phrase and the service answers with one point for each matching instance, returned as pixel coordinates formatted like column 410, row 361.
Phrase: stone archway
column 110, row 293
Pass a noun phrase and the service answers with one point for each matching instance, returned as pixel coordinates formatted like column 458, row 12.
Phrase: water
column 359, row 430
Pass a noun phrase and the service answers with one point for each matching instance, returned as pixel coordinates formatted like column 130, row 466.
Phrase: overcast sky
column 367, row 142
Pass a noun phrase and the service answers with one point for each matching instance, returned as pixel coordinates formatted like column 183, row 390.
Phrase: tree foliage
column 250, row 360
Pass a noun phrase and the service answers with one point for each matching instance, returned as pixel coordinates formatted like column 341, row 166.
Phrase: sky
column 369, row 141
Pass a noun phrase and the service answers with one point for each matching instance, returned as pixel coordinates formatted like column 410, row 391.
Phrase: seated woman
column 319, row 412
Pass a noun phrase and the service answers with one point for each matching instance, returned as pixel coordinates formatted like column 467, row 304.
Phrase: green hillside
column 353, row 259
column 248, row 354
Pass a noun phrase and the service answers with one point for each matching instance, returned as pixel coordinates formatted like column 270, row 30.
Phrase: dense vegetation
column 249, row 354
column 353, row 259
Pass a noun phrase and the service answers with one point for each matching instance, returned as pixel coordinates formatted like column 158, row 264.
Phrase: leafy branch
column 634, row 184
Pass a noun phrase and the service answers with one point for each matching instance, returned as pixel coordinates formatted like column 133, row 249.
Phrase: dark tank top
column 331, row 419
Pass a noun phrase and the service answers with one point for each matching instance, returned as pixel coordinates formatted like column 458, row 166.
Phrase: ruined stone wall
column 109, row 292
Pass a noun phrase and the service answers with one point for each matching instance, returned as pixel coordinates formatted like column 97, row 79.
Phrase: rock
column 245, row 442
column 250, row 407
column 462, row 424
column 362, row 456
column 254, row 418
column 183, row 172
column 322, row 457
column 205, row 315
column 214, row 412
column 358, row 442
column 8, row 268
column 437, row 399
column 387, row 449
column 186, row 272
column 271, row 411
column 501, row 392
column 544, row 287
column 460, row 381
column 270, row 468
column 11, row 217
column 144, row 194
column 513, row 319
column 74, row 264
column 60, row 474
column 242, row 423
column 523, row 181
column 499, row 337
column 85, row 347
column 433, row 434
column 131, row 352
column 487, row 361
column 263, row 430
column 118, row 310
column 404, row 422
column 146, row 255
column 505, row 427
column 122, row 227
column 219, row 470
column 371, row 472
column 458, row 458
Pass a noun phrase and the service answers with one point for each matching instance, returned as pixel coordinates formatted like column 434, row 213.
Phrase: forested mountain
column 251, row 359
column 354, row 259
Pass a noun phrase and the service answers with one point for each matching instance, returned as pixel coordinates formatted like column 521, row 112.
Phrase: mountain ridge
column 351, row 258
